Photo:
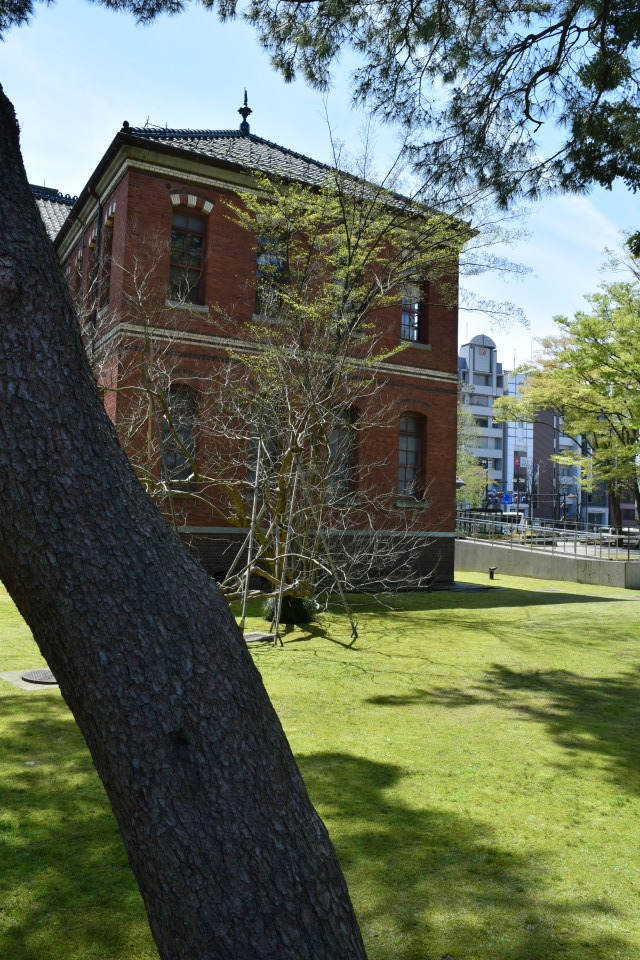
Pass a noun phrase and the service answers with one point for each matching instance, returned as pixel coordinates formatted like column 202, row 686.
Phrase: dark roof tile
column 245, row 149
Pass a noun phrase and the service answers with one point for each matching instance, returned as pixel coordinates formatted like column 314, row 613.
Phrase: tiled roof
column 54, row 207
column 245, row 149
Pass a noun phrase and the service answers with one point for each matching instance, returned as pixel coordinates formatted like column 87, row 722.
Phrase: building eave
column 127, row 152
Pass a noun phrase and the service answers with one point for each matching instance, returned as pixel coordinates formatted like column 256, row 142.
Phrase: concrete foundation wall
column 477, row 556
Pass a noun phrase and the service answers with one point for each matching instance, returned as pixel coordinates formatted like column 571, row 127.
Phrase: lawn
column 475, row 757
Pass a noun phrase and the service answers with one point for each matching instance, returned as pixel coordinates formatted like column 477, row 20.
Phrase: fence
column 567, row 538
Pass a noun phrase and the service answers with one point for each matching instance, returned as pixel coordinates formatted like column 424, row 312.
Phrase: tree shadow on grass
column 495, row 596
column 442, row 696
column 314, row 631
column 66, row 890
column 429, row 884
column 584, row 715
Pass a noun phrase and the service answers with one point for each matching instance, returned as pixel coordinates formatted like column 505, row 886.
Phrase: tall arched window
column 179, row 433
column 270, row 274
column 410, row 456
column 342, row 454
column 187, row 253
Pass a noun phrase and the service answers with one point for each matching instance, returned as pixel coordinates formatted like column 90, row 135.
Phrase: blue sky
column 78, row 70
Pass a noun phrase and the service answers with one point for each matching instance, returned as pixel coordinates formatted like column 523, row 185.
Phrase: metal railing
column 578, row 540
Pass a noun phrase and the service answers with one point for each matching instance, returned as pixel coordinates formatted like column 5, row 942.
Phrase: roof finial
column 244, row 112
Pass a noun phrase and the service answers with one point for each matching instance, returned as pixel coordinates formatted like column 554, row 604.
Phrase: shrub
column 294, row 609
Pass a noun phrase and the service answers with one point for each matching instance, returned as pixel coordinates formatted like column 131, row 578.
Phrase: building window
column 104, row 278
column 187, row 248
column 413, row 321
column 92, row 275
column 76, row 275
column 342, row 457
column 179, row 433
column 482, row 422
column 264, row 440
column 270, row 275
column 410, row 457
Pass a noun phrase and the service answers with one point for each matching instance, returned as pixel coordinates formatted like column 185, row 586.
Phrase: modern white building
column 482, row 378
column 518, row 473
column 518, row 456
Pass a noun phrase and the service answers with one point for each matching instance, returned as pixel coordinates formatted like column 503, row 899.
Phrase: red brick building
column 155, row 190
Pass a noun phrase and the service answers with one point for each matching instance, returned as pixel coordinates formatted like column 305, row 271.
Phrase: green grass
column 475, row 757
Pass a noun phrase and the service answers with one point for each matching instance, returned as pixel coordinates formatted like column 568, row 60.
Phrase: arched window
column 342, row 455
column 410, row 456
column 187, row 257
column 270, row 274
column 264, row 442
column 179, row 432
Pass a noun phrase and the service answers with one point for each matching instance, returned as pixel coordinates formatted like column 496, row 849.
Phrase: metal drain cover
column 39, row 676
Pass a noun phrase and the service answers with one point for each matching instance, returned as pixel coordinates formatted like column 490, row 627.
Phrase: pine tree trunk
column 231, row 859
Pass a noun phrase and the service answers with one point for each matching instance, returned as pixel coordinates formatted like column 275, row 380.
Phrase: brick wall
column 141, row 236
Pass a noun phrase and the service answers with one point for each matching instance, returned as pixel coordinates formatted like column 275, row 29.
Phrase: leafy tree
column 475, row 85
column 590, row 375
column 331, row 261
column 479, row 83
column 468, row 468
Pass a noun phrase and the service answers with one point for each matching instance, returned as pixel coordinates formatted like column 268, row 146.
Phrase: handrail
column 587, row 540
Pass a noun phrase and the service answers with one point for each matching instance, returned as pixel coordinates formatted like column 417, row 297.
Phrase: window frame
column 271, row 251
column 343, row 453
column 104, row 270
column 408, row 438
column 172, row 448
column 413, row 315
column 194, row 293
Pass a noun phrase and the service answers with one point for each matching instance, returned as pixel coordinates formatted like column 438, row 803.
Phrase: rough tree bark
column 230, row 856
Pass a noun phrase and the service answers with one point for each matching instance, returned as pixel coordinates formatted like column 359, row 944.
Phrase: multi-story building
column 169, row 190
column 522, row 474
column 482, row 378
column 518, row 454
